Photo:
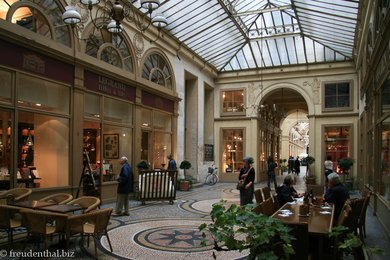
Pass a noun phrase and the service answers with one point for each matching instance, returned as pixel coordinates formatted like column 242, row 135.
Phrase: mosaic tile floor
column 159, row 230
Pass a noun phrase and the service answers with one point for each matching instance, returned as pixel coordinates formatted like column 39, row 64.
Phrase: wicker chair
column 91, row 224
column 89, row 203
column 58, row 198
column 16, row 194
column 9, row 221
column 43, row 223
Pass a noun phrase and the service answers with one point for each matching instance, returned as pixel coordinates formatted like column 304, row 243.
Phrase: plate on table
column 325, row 212
column 326, row 207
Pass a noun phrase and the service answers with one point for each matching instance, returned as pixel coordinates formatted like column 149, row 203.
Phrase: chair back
column 102, row 220
column 300, row 231
column 17, row 194
column 7, row 214
column 362, row 217
column 58, row 198
column 266, row 193
column 318, row 190
column 88, row 202
column 344, row 217
column 267, row 207
column 38, row 221
column 357, row 206
column 258, row 196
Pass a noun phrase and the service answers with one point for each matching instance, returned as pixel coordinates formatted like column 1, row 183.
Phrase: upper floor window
column 42, row 17
column 337, row 96
column 111, row 48
column 156, row 69
column 233, row 102
column 385, row 94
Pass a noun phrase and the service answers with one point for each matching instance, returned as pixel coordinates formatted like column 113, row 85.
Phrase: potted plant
column 143, row 165
column 345, row 164
column 239, row 228
column 310, row 178
column 185, row 184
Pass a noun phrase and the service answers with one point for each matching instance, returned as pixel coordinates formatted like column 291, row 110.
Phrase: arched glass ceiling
column 235, row 35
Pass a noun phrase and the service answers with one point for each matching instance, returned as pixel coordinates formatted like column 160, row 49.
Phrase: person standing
column 248, row 175
column 328, row 165
column 271, row 165
column 297, row 166
column 171, row 163
column 291, row 162
column 125, row 186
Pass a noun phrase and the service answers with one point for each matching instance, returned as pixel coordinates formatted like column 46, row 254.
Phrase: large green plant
column 185, row 165
column 238, row 228
column 143, row 165
column 309, row 160
column 345, row 164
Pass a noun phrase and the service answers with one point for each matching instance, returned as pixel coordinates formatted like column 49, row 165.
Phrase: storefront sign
column 108, row 86
column 18, row 57
column 152, row 100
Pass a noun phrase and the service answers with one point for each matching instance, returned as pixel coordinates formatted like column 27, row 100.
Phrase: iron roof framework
column 233, row 35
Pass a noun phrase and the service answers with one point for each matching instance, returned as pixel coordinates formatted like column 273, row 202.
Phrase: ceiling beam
column 262, row 11
column 276, row 36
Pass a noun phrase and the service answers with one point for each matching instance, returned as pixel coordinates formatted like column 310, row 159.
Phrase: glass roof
column 235, row 35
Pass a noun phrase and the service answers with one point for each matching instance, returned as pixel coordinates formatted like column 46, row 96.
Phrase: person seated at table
column 286, row 192
column 336, row 193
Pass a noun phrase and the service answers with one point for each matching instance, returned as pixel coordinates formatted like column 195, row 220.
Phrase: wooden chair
column 91, row 224
column 58, row 198
column 88, row 202
column 300, row 231
column 267, row 207
column 362, row 218
column 357, row 207
column 318, row 190
column 43, row 223
column 266, row 193
column 258, row 196
column 9, row 220
column 16, row 194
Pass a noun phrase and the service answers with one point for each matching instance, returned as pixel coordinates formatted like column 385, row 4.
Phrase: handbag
column 240, row 184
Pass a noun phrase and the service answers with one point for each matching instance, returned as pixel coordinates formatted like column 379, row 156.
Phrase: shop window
column 111, row 48
column 91, row 105
column 162, row 148
column 156, row 69
column 384, row 189
column 162, row 121
column 5, row 149
column 337, row 143
column 337, row 96
column 47, row 23
column 43, row 95
column 233, row 102
column 5, row 86
column 117, row 142
column 146, row 118
column 43, row 150
column 117, row 111
column 232, row 150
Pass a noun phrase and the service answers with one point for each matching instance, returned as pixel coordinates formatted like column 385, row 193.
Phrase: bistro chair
column 9, row 220
column 58, row 198
column 258, row 196
column 16, row 194
column 300, row 231
column 89, row 203
column 357, row 207
column 43, row 223
column 267, row 207
column 318, row 190
column 266, row 193
column 91, row 224
column 362, row 218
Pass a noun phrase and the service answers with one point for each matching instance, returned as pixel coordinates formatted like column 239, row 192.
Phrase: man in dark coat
column 125, row 186
column 336, row 193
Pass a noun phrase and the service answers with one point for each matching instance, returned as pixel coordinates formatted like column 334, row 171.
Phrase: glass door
column 145, row 146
